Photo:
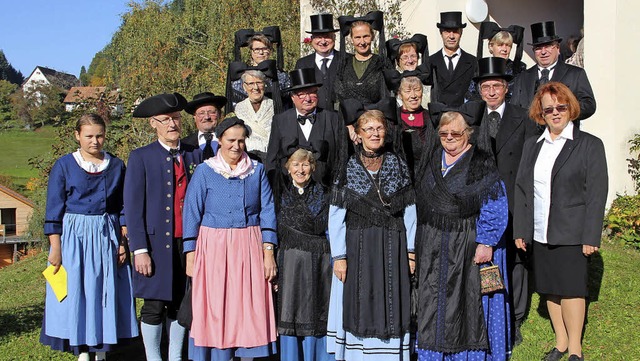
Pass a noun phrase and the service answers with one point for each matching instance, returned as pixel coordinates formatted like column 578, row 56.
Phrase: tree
column 40, row 105
column 8, row 72
column 6, row 109
column 84, row 78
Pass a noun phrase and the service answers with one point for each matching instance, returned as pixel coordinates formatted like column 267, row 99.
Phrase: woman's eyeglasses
column 454, row 134
column 561, row 108
column 260, row 50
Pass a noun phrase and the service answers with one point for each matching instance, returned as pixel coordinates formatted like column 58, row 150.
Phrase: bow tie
column 302, row 119
column 175, row 153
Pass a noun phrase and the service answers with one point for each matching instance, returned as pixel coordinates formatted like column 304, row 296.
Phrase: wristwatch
column 268, row 247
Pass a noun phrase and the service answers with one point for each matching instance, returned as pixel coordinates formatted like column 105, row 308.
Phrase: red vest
column 179, row 191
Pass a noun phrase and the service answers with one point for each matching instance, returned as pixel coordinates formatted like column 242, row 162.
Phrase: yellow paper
column 58, row 281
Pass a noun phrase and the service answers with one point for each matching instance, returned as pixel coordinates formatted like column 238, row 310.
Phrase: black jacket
column 451, row 89
column 326, row 97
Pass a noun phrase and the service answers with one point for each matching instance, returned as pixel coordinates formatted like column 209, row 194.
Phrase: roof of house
column 79, row 94
column 16, row 195
column 57, row 78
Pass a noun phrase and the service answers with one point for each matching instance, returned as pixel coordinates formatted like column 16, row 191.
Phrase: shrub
column 623, row 220
column 634, row 162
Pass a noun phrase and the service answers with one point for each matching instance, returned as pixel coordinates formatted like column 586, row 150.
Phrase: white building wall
column 35, row 78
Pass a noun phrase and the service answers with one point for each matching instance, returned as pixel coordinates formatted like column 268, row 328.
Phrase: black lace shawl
column 369, row 89
column 447, row 202
column 356, row 191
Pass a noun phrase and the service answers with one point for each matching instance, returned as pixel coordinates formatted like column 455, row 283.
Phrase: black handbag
column 185, row 313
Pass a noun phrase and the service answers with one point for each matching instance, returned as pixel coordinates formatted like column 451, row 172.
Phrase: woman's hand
column 484, row 254
column 143, row 264
column 521, row 244
column 352, row 134
column 122, row 255
column 340, row 269
column 270, row 267
column 588, row 250
column 412, row 262
column 189, row 263
column 55, row 254
column 124, row 232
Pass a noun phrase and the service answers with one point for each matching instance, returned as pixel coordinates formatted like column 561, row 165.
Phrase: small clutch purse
column 490, row 279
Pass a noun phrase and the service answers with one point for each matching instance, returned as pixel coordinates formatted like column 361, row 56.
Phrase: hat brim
column 506, row 77
column 302, row 86
column 451, row 26
column 322, row 31
column 217, row 101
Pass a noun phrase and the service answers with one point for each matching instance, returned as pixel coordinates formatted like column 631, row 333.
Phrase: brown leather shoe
column 554, row 355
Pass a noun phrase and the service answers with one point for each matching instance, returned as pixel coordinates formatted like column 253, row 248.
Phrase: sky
column 60, row 34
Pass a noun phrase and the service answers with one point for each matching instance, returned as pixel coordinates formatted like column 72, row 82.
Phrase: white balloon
column 477, row 10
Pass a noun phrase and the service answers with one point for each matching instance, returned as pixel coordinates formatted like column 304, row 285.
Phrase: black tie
column 323, row 67
column 544, row 76
column 207, row 152
column 450, row 65
column 494, row 123
column 302, row 119
column 175, row 153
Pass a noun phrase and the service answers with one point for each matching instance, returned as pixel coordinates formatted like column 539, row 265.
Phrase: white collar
column 201, row 135
column 168, row 148
column 567, row 133
column 298, row 113
column 459, row 52
column 320, row 57
column 500, row 109
column 550, row 67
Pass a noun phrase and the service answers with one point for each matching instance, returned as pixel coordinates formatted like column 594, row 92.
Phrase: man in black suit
column 206, row 109
column 453, row 67
column 306, row 125
column 508, row 126
column 546, row 46
column 325, row 59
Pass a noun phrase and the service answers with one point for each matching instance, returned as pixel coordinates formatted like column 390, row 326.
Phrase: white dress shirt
column 542, row 180
column 551, row 68
column 320, row 57
column 202, row 141
column 454, row 60
column 306, row 128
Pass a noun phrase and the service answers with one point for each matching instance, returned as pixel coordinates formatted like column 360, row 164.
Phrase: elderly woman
column 304, row 260
column 406, row 55
column 371, row 229
column 359, row 75
column 414, row 128
column 229, row 240
column 260, row 48
column 560, row 196
column 462, row 213
column 501, row 41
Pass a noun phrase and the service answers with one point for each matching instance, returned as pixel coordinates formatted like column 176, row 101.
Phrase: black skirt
column 560, row 270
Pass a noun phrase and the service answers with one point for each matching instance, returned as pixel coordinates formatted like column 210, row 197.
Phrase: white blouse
column 259, row 122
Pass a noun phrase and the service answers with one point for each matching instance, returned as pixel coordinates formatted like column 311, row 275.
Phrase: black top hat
column 205, row 98
column 160, row 104
column 321, row 23
column 302, row 78
column 493, row 67
column 451, row 20
column 544, row 33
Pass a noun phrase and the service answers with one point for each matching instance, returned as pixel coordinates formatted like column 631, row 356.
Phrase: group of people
column 341, row 211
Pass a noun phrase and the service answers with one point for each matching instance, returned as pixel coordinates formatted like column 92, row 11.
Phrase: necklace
column 371, row 160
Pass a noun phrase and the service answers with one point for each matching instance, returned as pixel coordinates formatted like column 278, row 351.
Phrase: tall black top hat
column 321, row 23
column 451, row 20
column 302, row 78
column 543, row 33
column 493, row 67
column 160, row 104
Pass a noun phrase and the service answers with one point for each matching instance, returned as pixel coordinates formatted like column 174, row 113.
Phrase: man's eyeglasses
column 454, row 134
column 260, row 50
column 561, row 108
column 165, row 121
column 208, row 112
column 304, row 95
column 494, row 87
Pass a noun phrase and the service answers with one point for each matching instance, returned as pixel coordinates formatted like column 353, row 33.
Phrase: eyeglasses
column 208, row 112
column 493, row 87
column 372, row 130
column 561, row 108
column 409, row 57
column 260, row 50
column 257, row 84
column 303, row 95
column 454, row 134
column 165, row 121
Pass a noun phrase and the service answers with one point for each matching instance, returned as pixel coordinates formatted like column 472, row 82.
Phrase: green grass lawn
column 18, row 146
column 611, row 333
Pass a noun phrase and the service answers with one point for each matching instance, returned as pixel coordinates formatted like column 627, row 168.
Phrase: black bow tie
column 302, row 119
column 175, row 153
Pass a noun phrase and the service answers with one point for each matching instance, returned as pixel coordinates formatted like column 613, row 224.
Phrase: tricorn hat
column 544, row 33
column 493, row 67
column 321, row 23
column 205, row 98
column 451, row 20
column 302, row 78
column 160, row 104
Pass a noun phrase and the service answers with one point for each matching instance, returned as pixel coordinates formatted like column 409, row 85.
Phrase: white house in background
column 609, row 55
column 79, row 95
column 45, row 76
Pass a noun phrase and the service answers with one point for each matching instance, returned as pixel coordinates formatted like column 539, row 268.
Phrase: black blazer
column 326, row 97
column 579, row 185
column 450, row 89
column 191, row 139
column 575, row 78
column 285, row 128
